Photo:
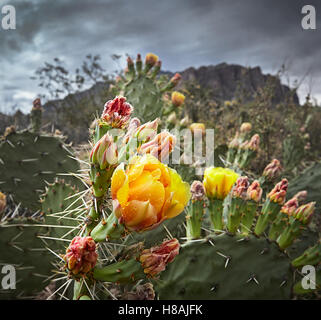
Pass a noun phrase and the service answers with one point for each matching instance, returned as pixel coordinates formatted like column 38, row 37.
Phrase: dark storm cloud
column 182, row 32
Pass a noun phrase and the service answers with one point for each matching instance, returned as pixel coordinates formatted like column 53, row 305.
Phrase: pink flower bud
column 240, row 188
column 176, row 79
column 117, row 112
column 132, row 127
column 81, row 256
column 278, row 193
column 130, row 62
column 254, row 191
column 254, row 143
column 36, row 104
column 155, row 259
column 304, row 213
column 272, row 170
column 301, row 195
column 104, row 153
column 290, row 206
column 147, row 131
column 197, row 190
column 234, row 144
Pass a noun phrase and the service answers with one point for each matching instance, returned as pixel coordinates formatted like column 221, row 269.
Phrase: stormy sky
column 183, row 33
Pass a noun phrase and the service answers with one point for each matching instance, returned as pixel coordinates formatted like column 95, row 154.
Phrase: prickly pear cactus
column 21, row 248
column 28, row 244
column 228, row 267
column 28, row 160
column 62, row 209
column 238, row 260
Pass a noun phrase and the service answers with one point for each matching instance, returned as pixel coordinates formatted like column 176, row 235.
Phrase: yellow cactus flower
column 151, row 59
column 218, row 182
column 197, row 126
column 147, row 192
column 246, row 127
column 177, row 98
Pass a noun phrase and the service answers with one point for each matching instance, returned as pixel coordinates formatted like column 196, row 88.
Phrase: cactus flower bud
column 304, row 213
column 290, row 206
column 160, row 147
column 132, row 127
column 155, row 259
column 184, row 122
column 177, row 98
column 235, row 142
column 147, row 131
column 272, row 170
column 197, row 127
column 117, row 112
column 151, row 59
column 175, row 79
column 81, row 255
column 3, row 202
column 278, row 193
column 254, row 191
column 139, row 63
column 240, row 188
column 130, row 62
column 104, row 153
column 301, row 195
column 246, row 127
column 36, row 104
column 172, row 118
column 197, row 190
column 254, row 143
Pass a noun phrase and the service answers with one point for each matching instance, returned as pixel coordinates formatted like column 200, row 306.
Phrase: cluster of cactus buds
column 242, row 149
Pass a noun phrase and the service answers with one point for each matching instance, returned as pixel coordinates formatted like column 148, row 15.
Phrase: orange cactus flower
column 147, row 192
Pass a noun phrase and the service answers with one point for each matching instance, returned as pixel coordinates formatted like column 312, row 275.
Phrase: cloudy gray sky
column 183, row 33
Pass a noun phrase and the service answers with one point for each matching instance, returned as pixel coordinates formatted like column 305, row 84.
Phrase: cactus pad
column 228, row 267
column 27, row 161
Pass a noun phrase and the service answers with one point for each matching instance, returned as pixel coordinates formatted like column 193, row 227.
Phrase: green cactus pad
column 27, row 161
column 21, row 247
column 144, row 94
column 62, row 212
column 227, row 267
